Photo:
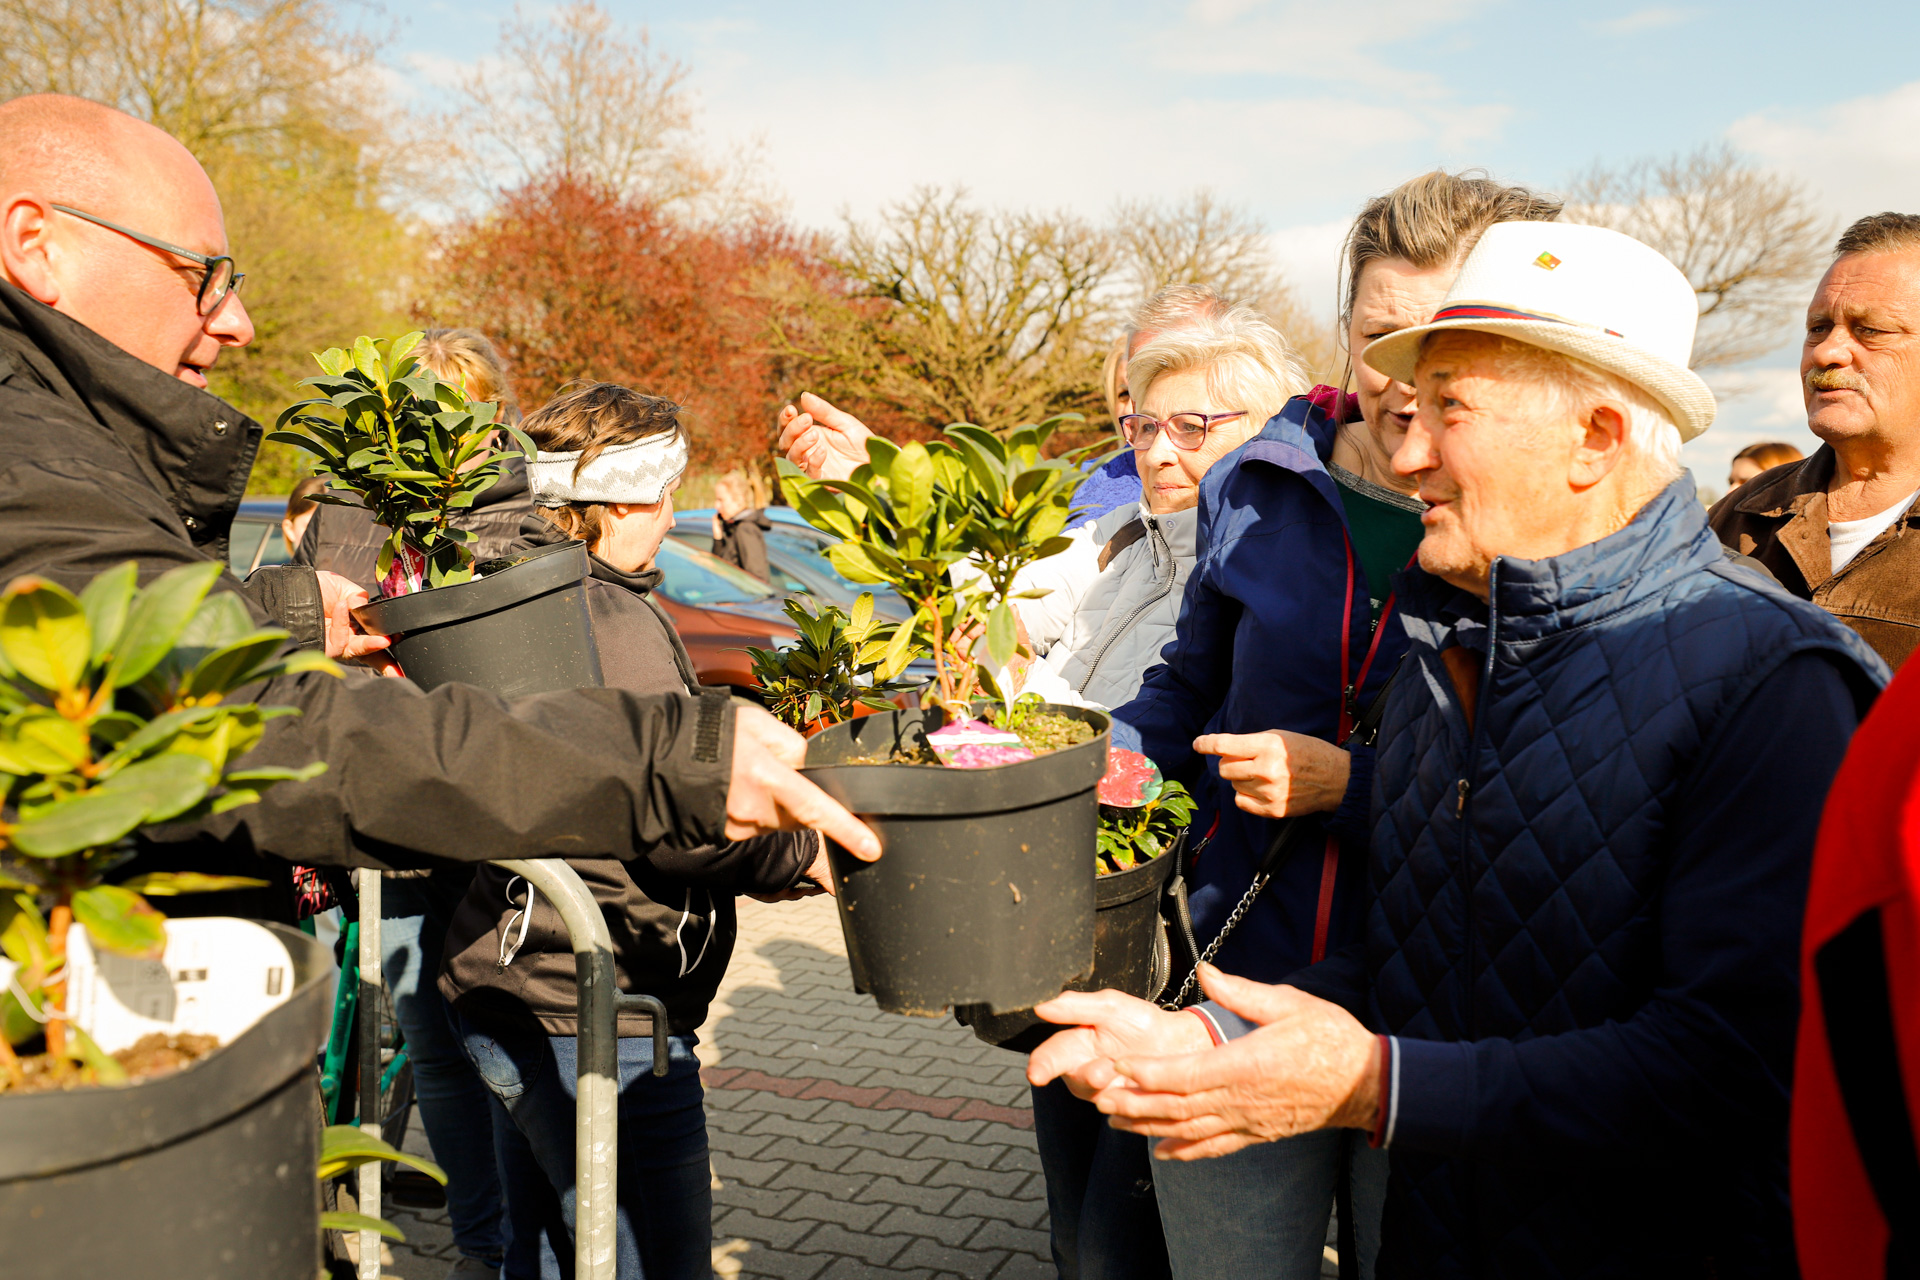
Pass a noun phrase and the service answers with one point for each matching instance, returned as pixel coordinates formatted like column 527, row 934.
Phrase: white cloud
column 1632, row 24
column 1861, row 155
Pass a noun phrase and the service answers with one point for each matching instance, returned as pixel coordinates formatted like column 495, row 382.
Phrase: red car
column 719, row 611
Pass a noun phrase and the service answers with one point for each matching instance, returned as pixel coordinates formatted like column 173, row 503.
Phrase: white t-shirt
column 1849, row 537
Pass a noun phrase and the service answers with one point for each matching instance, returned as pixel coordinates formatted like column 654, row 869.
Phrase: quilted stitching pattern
column 1532, row 909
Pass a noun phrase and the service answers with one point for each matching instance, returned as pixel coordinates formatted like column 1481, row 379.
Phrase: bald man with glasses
column 119, row 293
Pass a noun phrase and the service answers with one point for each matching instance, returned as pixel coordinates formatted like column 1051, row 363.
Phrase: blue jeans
column 455, row 1107
column 665, row 1184
column 1100, row 1202
column 1261, row 1213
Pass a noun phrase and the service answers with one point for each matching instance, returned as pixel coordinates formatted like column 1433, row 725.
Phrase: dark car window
column 697, row 578
column 244, row 541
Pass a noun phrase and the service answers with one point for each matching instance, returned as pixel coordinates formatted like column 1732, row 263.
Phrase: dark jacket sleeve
column 455, row 774
column 1711, row 1053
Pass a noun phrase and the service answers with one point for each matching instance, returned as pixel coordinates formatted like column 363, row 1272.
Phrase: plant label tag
column 218, row 977
column 1131, row 781
column 973, row 744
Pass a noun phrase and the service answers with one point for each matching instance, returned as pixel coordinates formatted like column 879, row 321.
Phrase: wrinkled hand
column 814, row 881
column 338, row 598
column 764, row 793
column 1310, row 1065
column 1277, row 773
column 1107, row 1025
column 825, row 442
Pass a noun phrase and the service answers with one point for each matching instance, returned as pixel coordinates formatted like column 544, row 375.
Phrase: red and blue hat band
column 1480, row 311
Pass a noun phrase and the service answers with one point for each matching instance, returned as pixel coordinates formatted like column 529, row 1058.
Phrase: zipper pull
column 1461, row 807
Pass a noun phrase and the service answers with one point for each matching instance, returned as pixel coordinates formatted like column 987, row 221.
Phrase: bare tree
column 1203, row 241
column 948, row 313
column 1750, row 242
column 575, row 95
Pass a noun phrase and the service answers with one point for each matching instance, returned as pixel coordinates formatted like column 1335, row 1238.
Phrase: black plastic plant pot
column 207, row 1172
column 517, row 631
column 984, row 895
column 1130, row 953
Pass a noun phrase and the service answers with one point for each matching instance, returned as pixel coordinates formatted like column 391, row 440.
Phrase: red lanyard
column 1350, row 694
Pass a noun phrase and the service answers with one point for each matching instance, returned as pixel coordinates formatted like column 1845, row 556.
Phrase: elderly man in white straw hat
column 1600, row 771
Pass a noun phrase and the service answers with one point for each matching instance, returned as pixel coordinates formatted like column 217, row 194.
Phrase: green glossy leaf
column 158, row 616
column 89, row 821
column 106, row 600
column 44, row 631
column 121, row 921
column 168, row 884
column 862, row 615
column 342, row 1220
column 899, row 653
column 855, row 563
column 346, row 1146
column 167, row 785
column 366, row 359
column 156, row 733
column 402, row 347
column 911, row 479
column 227, row 668
column 1001, row 634
column 333, row 360
column 38, row 740
column 23, row 932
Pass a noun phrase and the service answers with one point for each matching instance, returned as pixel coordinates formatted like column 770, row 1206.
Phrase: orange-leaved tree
column 575, row 280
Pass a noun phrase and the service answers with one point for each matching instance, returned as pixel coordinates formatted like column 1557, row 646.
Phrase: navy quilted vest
column 1516, row 866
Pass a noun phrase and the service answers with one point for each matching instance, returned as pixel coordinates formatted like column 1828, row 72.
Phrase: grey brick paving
column 824, row 1187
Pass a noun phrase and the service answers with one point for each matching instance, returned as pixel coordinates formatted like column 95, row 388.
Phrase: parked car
column 256, row 538
column 796, row 555
column 718, row 611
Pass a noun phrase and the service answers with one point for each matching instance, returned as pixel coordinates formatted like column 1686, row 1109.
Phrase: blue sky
column 1298, row 111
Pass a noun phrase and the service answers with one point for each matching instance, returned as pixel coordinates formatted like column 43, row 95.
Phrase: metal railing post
column 367, row 883
column 596, row 1134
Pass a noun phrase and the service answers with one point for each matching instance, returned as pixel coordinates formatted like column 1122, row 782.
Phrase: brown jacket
column 1780, row 519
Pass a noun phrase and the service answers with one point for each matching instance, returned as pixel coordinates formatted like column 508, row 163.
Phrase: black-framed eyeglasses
column 219, row 280
column 1184, row 430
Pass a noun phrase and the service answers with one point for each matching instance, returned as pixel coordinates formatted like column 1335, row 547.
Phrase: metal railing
column 596, row 1116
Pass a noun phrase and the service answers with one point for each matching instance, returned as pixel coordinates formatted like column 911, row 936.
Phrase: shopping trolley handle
column 651, row 1006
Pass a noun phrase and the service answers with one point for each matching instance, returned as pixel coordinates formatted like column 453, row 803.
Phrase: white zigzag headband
column 638, row 472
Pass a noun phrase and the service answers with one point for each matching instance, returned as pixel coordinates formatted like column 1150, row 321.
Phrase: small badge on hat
column 1546, row 261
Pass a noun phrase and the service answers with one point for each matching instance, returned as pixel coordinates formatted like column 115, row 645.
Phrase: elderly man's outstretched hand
column 1310, row 1065
column 765, row 793
column 1107, row 1025
column 825, row 442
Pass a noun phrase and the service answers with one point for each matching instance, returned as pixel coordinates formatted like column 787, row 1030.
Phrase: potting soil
column 155, row 1054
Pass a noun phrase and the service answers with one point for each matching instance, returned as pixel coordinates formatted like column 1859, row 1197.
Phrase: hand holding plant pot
column 114, row 715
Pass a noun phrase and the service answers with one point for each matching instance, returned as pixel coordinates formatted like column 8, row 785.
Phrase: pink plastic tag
column 973, row 744
column 406, row 575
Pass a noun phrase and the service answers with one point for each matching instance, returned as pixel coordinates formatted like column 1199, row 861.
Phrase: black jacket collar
column 192, row 446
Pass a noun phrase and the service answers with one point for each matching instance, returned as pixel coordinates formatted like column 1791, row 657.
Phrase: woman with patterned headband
column 609, row 461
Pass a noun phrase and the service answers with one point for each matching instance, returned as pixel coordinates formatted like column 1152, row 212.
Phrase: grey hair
column 1577, row 386
column 1248, row 363
column 1174, row 306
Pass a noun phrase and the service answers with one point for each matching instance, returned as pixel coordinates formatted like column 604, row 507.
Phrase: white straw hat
column 1586, row 292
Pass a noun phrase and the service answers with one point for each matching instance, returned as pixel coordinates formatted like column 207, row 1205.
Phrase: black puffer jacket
column 104, row 459
column 672, row 919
